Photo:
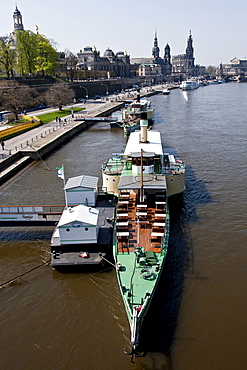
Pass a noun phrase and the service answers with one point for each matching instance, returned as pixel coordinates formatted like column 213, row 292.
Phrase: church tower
column 156, row 49
column 167, row 60
column 18, row 25
column 167, row 55
column 189, row 53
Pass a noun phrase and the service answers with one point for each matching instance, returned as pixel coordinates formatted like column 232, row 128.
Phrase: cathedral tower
column 190, row 52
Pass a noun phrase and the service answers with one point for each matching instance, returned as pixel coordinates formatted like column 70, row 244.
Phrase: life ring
column 146, row 273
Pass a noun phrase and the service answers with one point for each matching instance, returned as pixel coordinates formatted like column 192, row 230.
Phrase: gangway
column 38, row 215
column 95, row 119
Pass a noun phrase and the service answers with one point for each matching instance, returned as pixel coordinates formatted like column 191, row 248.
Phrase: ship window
column 86, row 229
column 178, row 178
column 171, row 180
column 113, row 180
column 107, row 179
column 67, row 230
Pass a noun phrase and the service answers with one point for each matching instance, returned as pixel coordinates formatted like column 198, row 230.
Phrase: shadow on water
column 160, row 324
column 196, row 193
column 19, row 233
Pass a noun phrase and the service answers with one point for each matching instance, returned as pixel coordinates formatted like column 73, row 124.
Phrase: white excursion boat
column 142, row 178
column 189, row 85
column 166, row 91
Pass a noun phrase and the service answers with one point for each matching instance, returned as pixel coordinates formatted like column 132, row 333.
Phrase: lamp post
column 83, row 87
column 106, row 88
column 122, row 85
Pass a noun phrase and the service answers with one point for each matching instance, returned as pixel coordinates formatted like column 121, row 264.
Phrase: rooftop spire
column 156, row 49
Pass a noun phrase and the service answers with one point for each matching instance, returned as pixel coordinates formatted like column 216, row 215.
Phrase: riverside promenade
column 32, row 145
column 39, row 142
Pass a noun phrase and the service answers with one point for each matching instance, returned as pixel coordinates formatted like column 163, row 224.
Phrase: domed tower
column 18, row 25
column 155, row 49
column 109, row 55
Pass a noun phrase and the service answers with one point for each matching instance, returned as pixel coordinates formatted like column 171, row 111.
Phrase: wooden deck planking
column 146, row 226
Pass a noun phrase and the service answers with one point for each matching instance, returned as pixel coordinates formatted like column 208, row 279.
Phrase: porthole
column 178, row 178
column 67, row 230
column 171, row 180
column 86, row 229
column 113, row 180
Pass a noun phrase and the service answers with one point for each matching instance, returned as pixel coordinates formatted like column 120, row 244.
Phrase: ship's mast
column 142, row 187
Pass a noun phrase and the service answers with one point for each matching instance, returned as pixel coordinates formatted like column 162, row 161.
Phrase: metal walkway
column 38, row 215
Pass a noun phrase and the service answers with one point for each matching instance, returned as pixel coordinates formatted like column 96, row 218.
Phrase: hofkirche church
column 169, row 65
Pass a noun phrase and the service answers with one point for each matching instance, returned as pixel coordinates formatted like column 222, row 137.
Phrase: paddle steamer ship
column 142, row 178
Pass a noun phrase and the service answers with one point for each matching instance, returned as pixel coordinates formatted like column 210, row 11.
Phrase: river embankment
column 41, row 141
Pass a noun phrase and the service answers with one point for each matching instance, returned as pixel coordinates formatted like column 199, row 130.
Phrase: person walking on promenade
column 2, row 144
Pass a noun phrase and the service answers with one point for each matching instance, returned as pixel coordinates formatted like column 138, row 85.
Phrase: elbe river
column 198, row 319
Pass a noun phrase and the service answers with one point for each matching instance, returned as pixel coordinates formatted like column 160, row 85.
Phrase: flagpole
column 66, row 202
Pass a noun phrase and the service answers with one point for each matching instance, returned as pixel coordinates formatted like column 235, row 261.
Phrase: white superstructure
column 189, row 85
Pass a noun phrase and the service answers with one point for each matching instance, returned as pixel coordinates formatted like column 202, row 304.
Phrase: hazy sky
column 219, row 27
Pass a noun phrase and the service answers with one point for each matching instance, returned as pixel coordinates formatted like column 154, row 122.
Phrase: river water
column 198, row 319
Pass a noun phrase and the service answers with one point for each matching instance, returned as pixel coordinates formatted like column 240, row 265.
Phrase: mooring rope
column 3, row 285
column 24, row 273
column 103, row 258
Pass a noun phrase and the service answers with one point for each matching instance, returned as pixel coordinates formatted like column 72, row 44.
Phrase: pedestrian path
column 25, row 140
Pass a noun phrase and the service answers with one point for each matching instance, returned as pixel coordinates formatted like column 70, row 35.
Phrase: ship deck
column 140, row 224
column 142, row 231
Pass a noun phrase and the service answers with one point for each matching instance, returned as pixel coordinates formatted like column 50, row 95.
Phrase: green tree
column 46, row 59
column 7, row 55
column 59, row 94
column 211, row 70
column 27, row 51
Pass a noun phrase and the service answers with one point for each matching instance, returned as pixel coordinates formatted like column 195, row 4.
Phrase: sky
column 218, row 27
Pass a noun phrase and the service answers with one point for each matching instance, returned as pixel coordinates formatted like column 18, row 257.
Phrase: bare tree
column 71, row 62
column 18, row 98
column 59, row 94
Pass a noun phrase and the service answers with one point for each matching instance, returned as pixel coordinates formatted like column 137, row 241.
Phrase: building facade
column 117, row 64
column 183, row 64
column 234, row 68
column 154, row 65
column 149, row 70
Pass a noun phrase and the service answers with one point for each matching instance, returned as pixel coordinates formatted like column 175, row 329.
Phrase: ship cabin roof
column 152, row 146
column 150, row 182
column 80, row 213
column 83, row 181
column 151, row 149
column 144, row 155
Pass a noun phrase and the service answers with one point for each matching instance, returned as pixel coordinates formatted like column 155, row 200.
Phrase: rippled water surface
column 198, row 320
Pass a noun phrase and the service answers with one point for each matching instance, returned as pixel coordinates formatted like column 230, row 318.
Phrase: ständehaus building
column 114, row 64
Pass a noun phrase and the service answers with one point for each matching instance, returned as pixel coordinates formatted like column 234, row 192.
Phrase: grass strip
column 48, row 117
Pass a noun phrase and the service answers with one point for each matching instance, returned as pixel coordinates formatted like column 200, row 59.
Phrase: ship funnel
column 144, row 128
